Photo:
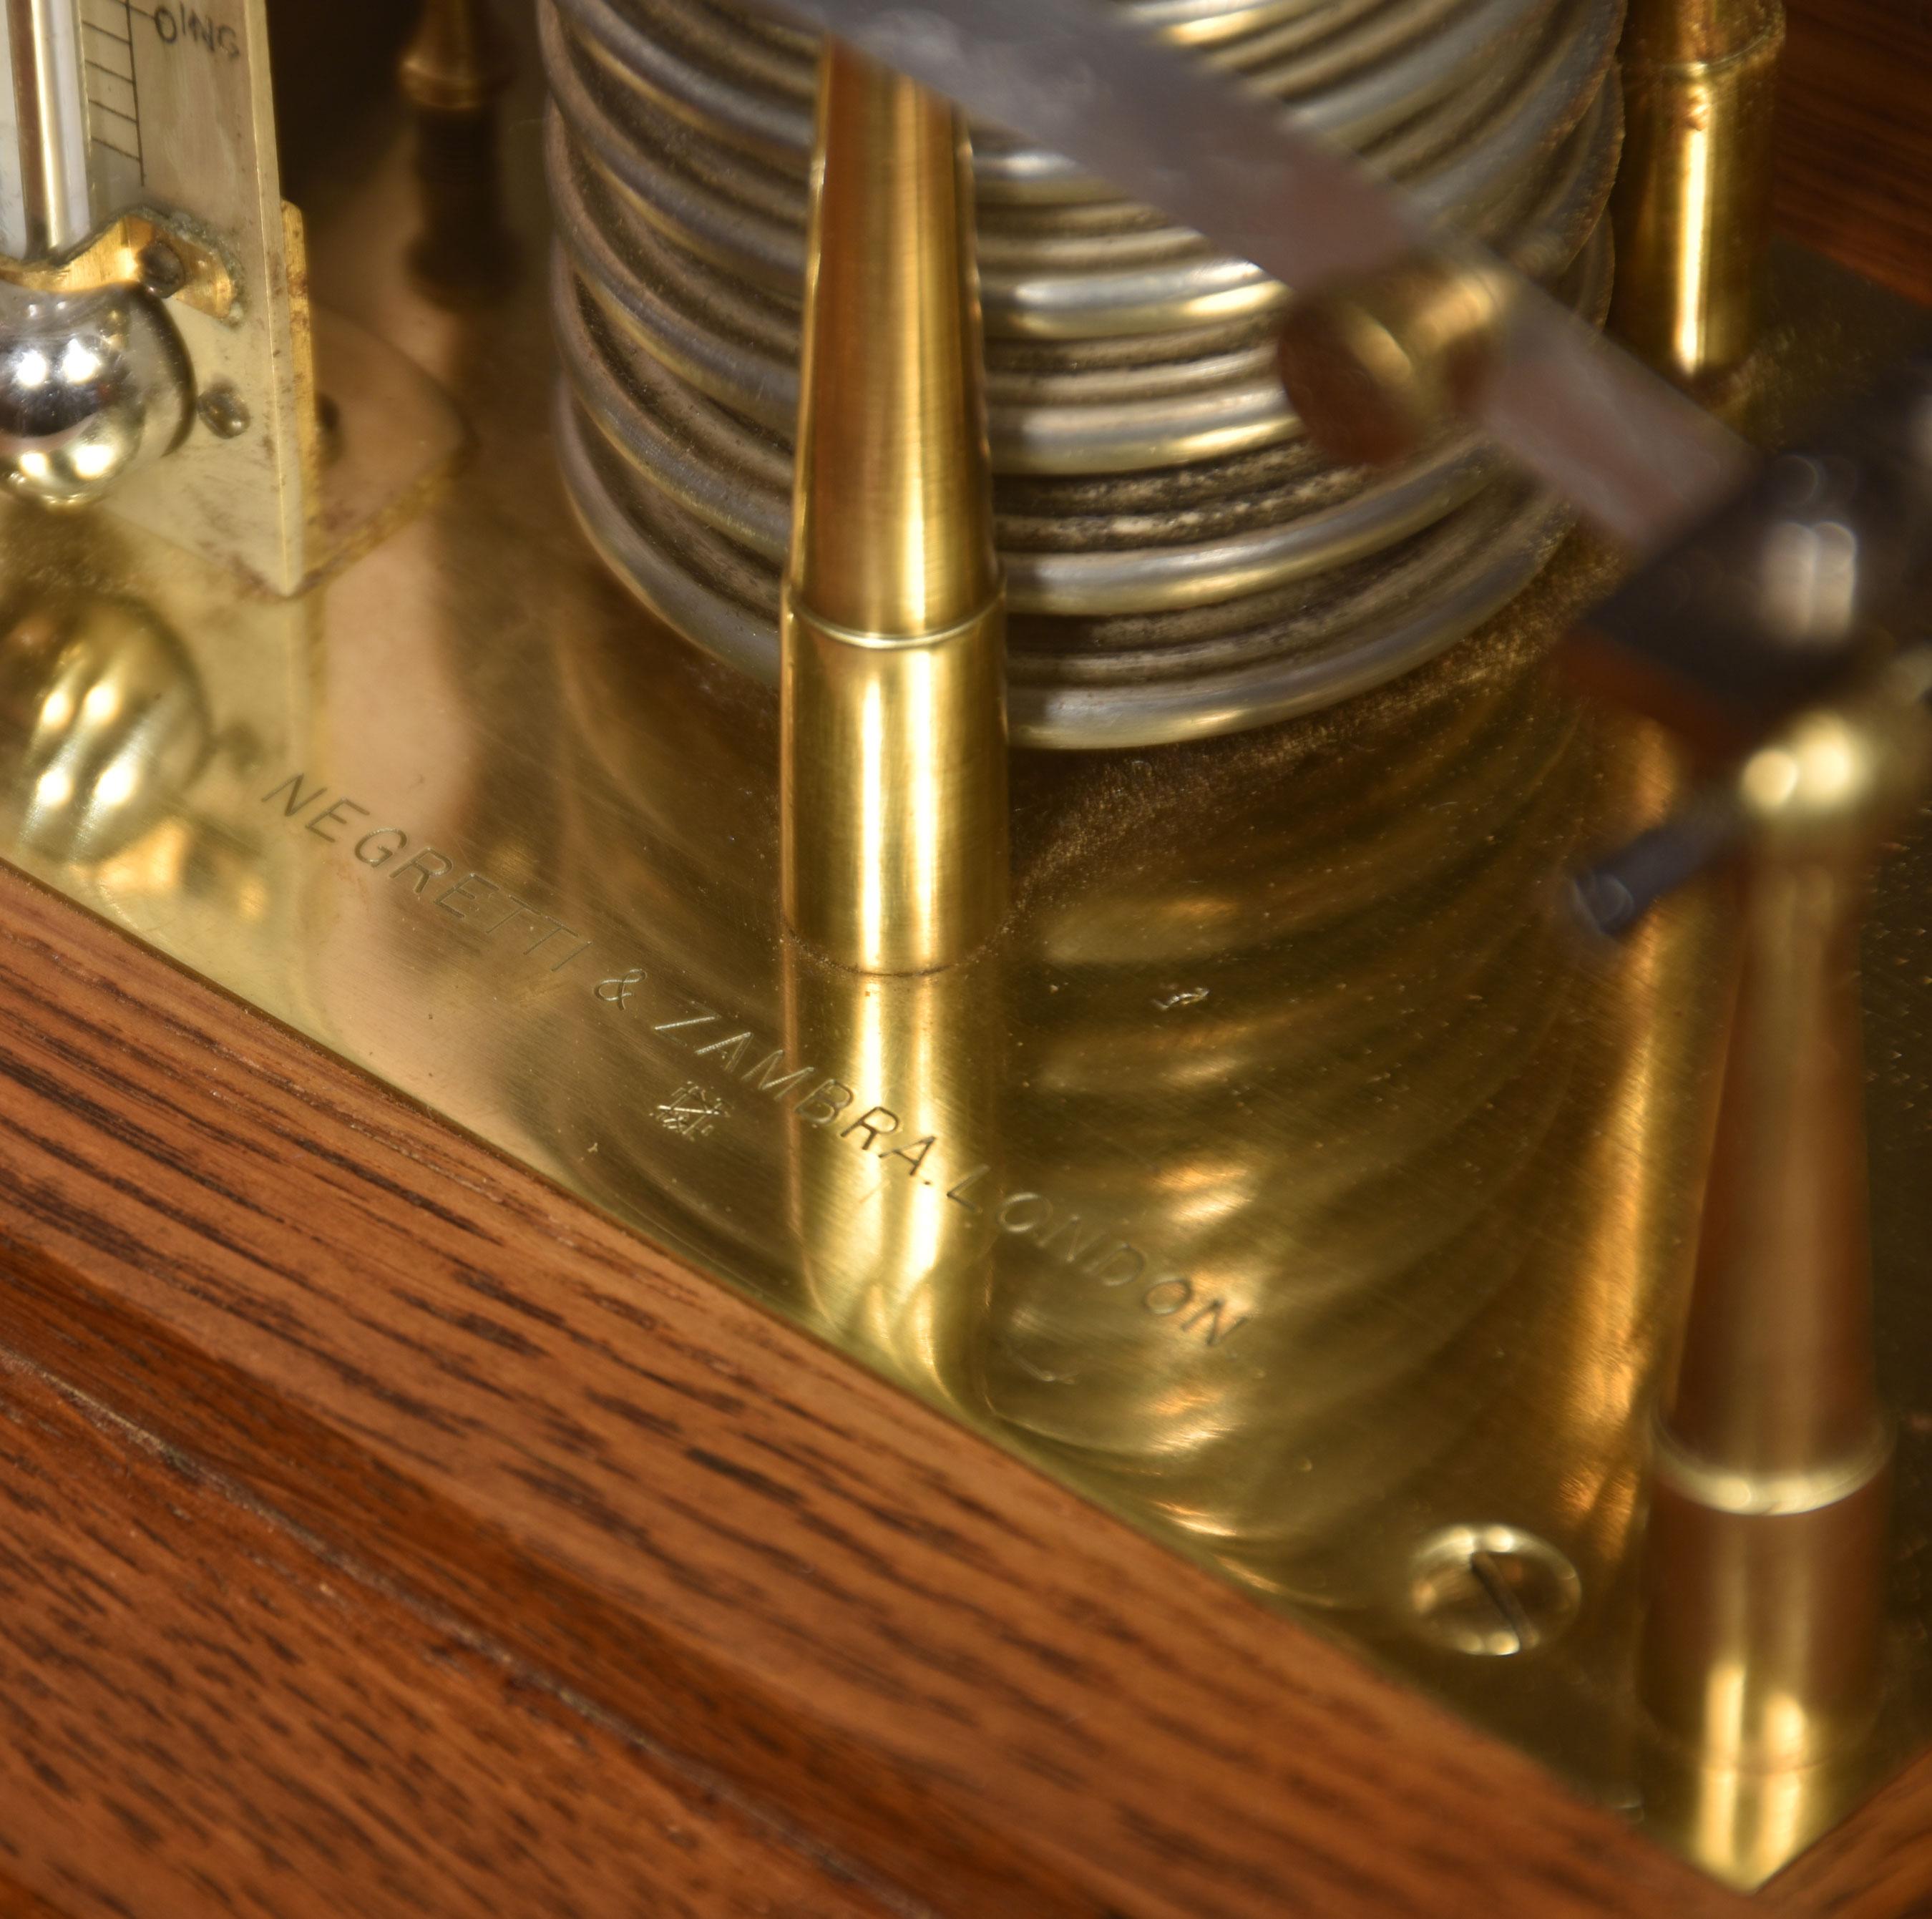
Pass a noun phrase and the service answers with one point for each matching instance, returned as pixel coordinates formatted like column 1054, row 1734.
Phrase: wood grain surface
column 17, row 1902
column 813, row 1592
column 1877, row 1865
column 203, row 1714
column 1854, row 166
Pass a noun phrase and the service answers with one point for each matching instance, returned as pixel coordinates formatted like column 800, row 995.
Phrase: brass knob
column 1379, row 368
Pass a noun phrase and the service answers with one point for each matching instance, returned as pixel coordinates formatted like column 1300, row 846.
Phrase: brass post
column 453, row 73
column 455, row 61
column 1766, row 1552
column 1692, row 206
column 893, row 770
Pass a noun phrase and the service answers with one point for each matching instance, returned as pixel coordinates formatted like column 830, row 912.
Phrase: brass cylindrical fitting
column 1769, row 1500
column 894, row 776
column 1766, row 1552
column 1692, row 206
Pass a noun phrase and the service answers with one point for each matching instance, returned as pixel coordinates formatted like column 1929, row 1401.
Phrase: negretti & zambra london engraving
column 735, row 1056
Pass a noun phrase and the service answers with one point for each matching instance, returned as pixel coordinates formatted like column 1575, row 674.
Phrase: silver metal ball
column 92, row 386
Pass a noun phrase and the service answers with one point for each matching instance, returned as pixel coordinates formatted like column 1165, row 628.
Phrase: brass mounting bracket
column 127, row 252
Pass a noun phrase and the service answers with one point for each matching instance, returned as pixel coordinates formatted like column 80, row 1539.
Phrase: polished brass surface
column 1771, row 1492
column 894, row 771
column 1692, row 206
column 1288, row 1175
column 893, row 514
column 892, row 684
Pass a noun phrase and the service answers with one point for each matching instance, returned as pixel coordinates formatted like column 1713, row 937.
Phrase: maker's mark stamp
column 692, row 1111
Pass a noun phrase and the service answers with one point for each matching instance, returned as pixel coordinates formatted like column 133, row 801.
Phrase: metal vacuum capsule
column 1180, row 560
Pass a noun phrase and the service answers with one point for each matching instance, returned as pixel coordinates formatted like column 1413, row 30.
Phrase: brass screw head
column 164, row 272
column 223, row 412
column 1491, row 1590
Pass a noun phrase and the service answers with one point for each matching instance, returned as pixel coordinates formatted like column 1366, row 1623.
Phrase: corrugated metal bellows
column 1180, row 562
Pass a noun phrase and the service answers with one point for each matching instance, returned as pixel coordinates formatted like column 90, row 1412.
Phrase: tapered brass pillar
column 894, row 782
column 1766, row 1552
column 1692, row 206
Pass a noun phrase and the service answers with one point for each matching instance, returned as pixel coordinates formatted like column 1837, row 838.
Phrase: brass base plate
column 1292, row 1178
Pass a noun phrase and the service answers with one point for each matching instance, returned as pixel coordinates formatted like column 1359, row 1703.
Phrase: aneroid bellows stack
column 1180, row 560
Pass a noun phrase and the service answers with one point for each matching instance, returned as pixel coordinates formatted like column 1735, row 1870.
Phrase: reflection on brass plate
column 1289, row 1176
